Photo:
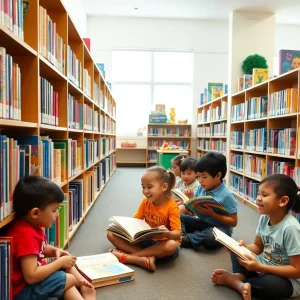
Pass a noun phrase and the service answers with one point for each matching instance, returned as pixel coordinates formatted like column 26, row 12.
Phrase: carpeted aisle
column 185, row 278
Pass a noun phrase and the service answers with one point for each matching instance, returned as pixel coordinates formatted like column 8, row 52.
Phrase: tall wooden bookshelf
column 255, row 130
column 212, row 126
column 175, row 134
column 84, row 115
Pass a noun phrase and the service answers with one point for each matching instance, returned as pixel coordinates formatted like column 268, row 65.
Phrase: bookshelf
column 175, row 134
column 263, row 134
column 59, row 107
column 212, row 126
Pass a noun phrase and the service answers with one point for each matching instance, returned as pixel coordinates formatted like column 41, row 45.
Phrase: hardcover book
column 103, row 269
column 288, row 60
column 202, row 201
column 132, row 229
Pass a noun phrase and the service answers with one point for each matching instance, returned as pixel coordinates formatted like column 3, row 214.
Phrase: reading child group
column 272, row 272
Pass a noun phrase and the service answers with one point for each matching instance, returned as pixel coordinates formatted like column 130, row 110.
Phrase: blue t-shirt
column 280, row 242
column 224, row 197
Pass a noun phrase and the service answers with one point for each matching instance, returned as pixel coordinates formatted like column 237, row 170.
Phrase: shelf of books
column 263, row 134
column 212, row 125
column 174, row 134
column 57, row 115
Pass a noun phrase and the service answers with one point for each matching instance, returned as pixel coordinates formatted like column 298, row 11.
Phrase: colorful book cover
column 259, row 75
column 288, row 60
column 247, row 81
column 240, row 84
column 214, row 91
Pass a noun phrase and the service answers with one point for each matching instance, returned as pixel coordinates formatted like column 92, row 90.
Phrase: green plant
column 254, row 61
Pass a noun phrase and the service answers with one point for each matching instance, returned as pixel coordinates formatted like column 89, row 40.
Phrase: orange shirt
column 168, row 214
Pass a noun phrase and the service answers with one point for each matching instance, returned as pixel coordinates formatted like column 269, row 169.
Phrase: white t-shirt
column 181, row 185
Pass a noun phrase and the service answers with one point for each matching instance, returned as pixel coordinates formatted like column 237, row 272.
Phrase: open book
column 133, row 230
column 103, row 269
column 231, row 244
column 201, row 201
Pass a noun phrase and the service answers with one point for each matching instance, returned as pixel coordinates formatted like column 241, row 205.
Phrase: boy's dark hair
column 179, row 159
column 284, row 185
column 188, row 164
column 164, row 176
column 35, row 191
column 212, row 163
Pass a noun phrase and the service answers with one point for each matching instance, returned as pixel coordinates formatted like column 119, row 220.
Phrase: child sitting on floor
column 157, row 209
column 36, row 201
column 197, row 231
column 275, row 272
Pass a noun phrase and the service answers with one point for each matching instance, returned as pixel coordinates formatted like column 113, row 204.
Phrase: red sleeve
column 30, row 243
column 140, row 213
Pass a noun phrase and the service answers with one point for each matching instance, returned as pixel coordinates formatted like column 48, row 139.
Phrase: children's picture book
column 259, row 75
column 247, row 81
column 288, row 60
column 132, row 229
column 215, row 90
column 240, row 84
column 202, row 201
column 103, row 269
column 232, row 244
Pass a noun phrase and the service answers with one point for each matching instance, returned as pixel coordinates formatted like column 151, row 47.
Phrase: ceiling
column 287, row 11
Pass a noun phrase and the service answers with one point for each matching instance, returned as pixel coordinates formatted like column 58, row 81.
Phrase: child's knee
column 70, row 281
column 170, row 247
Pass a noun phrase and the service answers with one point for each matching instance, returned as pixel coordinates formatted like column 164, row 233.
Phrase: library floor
column 186, row 278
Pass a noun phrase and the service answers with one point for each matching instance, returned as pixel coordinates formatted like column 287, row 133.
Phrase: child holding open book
column 197, row 230
column 188, row 180
column 275, row 272
column 36, row 201
column 156, row 209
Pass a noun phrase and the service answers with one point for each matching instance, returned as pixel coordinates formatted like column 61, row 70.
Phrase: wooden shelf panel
column 48, row 71
column 14, row 45
column 13, row 123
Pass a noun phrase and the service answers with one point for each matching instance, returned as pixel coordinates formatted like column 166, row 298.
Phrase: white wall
column 78, row 15
column 207, row 39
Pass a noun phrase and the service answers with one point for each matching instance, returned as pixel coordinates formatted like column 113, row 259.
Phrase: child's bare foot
column 87, row 290
column 222, row 277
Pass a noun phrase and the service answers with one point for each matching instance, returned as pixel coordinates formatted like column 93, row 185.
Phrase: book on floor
column 132, row 229
column 231, row 244
column 201, row 201
column 103, row 269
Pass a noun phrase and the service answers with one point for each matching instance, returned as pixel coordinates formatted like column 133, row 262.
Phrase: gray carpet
column 187, row 277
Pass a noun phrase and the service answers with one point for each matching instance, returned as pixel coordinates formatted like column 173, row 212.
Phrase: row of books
column 91, row 118
column 75, row 113
column 107, row 124
column 74, row 67
column 49, row 103
column 213, row 91
column 154, row 131
column 107, row 146
column 219, row 129
column 216, row 145
column 156, row 144
column 51, row 45
column 98, row 95
column 152, row 156
column 6, row 244
column 92, row 152
column 275, row 141
column 11, row 16
column 107, row 106
column 10, row 87
column 213, row 114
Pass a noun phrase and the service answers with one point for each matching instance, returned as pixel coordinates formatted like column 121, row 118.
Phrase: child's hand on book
column 242, row 243
column 160, row 236
column 206, row 210
column 60, row 252
column 189, row 193
column 67, row 261
column 251, row 264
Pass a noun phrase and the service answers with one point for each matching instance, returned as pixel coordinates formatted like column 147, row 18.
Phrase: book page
column 231, row 244
column 178, row 193
column 131, row 225
column 96, row 260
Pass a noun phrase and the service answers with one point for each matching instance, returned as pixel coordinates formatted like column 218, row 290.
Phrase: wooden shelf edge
column 14, row 123
column 7, row 220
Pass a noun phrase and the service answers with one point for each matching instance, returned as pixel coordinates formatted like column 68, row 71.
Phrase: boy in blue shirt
column 197, row 230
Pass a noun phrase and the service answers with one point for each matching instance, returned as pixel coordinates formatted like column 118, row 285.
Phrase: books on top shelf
column 202, row 201
column 232, row 244
column 132, row 229
column 259, row 75
column 104, row 269
column 288, row 60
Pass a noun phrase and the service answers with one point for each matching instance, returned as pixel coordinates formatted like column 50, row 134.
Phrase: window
column 142, row 79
